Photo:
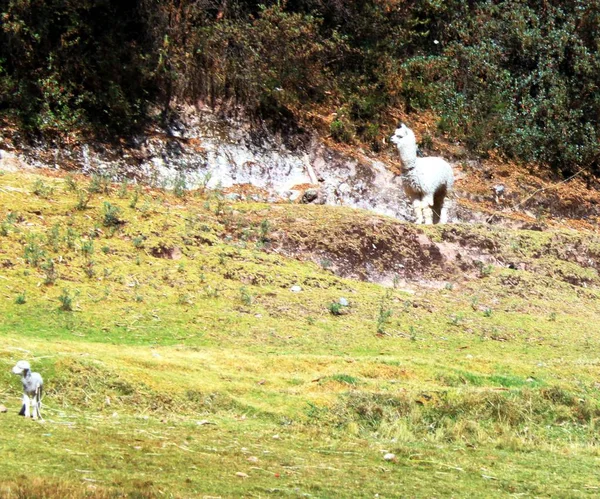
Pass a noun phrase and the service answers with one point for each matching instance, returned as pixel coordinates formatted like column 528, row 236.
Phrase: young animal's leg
column 427, row 207
column 37, row 404
column 418, row 209
column 34, row 406
column 25, row 410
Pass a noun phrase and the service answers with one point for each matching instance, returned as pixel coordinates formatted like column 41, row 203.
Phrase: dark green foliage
column 522, row 77
column 515, row 76
column 68, row 64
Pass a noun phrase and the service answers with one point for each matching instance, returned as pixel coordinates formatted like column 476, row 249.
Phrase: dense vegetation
column 516, row 76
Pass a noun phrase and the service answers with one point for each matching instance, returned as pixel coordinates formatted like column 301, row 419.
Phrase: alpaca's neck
column 408, row 156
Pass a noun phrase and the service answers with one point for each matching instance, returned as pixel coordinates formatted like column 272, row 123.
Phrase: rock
column 239, row 474
column 293, row 195
column 344, row 188
column 310, row 195
column 389, row 457
column 9, row 162
column 233, row 196
column 253, row 459
column 3, row 409
column 343, row 302
column 295, row 289
column 538, row 227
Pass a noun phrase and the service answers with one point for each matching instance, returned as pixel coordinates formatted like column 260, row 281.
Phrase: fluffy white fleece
column 426, row 181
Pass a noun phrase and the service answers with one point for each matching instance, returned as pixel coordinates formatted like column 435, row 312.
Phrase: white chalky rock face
column 207, row 151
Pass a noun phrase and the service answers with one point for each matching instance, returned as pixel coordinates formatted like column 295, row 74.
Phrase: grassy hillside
column 179, row 362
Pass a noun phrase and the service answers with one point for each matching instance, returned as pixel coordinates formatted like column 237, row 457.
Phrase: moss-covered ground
column 179, row 362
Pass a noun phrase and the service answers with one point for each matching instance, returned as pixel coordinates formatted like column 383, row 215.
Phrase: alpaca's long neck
column 408, row 156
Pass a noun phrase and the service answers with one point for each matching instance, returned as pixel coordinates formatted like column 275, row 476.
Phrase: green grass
column 173, row 351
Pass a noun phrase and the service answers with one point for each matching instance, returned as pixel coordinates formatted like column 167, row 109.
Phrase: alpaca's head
column 405, row 141
column 403, row 135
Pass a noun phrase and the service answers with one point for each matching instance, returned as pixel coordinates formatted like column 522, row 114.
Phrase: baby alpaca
column 426, row 181
column 32, row 390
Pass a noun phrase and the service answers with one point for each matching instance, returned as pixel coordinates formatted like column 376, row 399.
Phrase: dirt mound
column 363, row 246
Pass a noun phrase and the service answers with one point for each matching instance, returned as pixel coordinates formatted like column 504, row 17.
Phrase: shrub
column 111, row 215
column 66, row 301
column 340, row 130
column 245, row 296
column 34, row 253
column 41, row 189
column 49, row 271
column 335, row 308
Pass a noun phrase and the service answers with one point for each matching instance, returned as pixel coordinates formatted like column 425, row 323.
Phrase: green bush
column 517, row 77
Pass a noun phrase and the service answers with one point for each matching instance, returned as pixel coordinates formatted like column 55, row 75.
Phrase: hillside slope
column 195, row 346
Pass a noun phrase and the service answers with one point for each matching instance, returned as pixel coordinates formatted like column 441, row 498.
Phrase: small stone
column 239, row 474
column 389, row 457
column 343, row 302
column 253, row 459
column 275, row 437
column 310, row 195
column 295, row 289
column 3, row 409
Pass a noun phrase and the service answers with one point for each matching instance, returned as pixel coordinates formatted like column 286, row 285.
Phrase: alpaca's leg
column 427, row 207
column 444, row 211
column 418, row 209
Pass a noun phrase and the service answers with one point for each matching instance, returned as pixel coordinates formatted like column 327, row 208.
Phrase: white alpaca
column 426, row 181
